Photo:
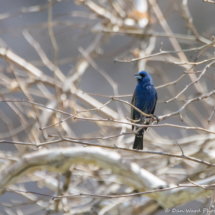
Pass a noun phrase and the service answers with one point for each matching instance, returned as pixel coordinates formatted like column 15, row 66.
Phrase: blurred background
column 85, row 51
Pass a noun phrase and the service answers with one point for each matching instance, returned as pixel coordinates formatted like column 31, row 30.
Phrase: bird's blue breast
column 145, row 99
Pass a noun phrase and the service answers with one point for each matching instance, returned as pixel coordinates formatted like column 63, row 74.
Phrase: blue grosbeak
column 144, row 98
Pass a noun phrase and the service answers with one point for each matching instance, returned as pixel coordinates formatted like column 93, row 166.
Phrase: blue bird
column 145, row 99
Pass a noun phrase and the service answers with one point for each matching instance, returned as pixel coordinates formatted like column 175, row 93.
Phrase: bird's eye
column 142, row 75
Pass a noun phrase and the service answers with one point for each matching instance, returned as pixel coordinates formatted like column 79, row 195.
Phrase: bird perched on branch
column 144, row 98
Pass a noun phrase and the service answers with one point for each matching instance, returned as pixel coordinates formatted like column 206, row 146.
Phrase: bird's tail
column 138, row 141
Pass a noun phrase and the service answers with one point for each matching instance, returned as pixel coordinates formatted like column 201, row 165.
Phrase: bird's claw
column 155, row 118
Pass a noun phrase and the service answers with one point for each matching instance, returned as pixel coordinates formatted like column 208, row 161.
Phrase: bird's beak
column 137, row 76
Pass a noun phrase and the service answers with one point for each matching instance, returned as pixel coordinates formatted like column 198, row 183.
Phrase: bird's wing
column 132, row 109
column 156, row 97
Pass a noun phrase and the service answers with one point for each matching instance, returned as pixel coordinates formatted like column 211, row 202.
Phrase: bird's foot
column 155, row 118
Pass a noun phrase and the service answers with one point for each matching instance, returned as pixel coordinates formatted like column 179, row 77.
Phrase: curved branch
column 61, row 159
column 128, row 173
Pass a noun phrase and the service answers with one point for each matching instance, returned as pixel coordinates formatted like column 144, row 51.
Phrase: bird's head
column 144, row 77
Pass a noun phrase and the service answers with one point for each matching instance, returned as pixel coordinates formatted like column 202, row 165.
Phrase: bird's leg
column 155, row 118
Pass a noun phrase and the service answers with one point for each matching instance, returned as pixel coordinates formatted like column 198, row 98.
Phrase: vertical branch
column 55, row 47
